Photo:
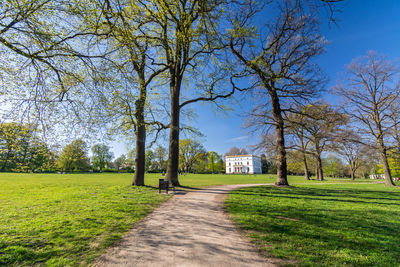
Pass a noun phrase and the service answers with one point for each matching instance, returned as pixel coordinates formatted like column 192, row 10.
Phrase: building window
column 247, row 163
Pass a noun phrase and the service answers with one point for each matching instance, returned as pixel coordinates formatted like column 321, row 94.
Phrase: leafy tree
column 189, row 152
column 149, row 161
column 220, row 166
column 294, row 162
column 132, row 35
column 101, row 155
column 74, row 157
column 333, row 166
column 188, row 35
column 45, row 48
column 201, row 163
column 213, row 159
column 264, row 164
column 14, row 144
column 160, row 155
column 21, row 150
column 394, row 164
column 120, row 162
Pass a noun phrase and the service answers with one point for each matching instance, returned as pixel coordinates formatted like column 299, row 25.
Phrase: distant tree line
column 22, row 151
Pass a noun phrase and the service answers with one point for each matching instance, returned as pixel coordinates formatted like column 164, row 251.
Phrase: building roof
column 236, row 156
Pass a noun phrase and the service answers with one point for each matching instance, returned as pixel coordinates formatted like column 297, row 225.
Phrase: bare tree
column 278, row 58
column 296, row 128
column 347, row 143
column 321, row 125
column 370, row 89
column 236, row 151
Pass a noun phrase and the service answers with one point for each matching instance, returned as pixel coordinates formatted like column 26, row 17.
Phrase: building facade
column 243, row 164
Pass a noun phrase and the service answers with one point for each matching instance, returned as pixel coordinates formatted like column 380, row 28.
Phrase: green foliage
column 120, row 162
column 101, row 156
column 149, row 160
column 213, row 159
column 74, row 157
column 334, row 167
column 160, row 156
column 190, row 152
column 324, row 225
column 394, row 164
column 21, row 150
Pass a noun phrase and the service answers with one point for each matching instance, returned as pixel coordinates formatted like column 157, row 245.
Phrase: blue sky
column 362, row 25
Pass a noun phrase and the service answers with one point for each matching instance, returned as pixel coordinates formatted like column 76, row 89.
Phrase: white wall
column 243, row 164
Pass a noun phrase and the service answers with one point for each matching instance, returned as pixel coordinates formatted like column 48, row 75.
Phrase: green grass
column 69, row 219
column 207, row 180
column 64, row 220
column 322, row 225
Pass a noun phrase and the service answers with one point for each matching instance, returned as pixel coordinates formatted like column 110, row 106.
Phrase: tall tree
column 21, row 149
column 135, row 63
column 74, row 156
column 101, row 155
column 295, row 123
column 189, row 152
column 213, row 159
column 160, row 155
column 278, row 57
column 370, row 88
column 347, row 144
column 188, row 33
column 120, row 162
column 321, row 124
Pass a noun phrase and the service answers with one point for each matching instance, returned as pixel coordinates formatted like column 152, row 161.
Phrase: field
column 69, row 219
column 64, row 220
column 322, row 225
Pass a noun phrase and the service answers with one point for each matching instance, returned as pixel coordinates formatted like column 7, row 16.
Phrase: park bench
column 162, row 184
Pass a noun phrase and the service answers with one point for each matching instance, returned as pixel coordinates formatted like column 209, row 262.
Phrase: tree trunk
column 140, row 132
column 306, row 174
column 281, row 163
column 173, row 153
column 385, row 165
column 353, row 169
column 320, row 173
column 353, row 176
column 140, row 157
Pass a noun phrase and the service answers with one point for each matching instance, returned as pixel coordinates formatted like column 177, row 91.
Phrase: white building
column 248, row 164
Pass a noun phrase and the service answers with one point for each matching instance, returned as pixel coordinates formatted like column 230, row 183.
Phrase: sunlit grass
column 69, row 219
column 64, row 220
column 324, row 225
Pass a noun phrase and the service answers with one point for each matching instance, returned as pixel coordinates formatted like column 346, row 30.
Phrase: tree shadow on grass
column 329, row 230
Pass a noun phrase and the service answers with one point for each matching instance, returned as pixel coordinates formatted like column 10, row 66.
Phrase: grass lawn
column 69, row 219
column 322, row 225
column 64, row 220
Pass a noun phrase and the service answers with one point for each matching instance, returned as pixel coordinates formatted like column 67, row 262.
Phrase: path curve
column 187, row 230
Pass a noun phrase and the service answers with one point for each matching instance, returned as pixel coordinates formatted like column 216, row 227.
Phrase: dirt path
column 188, row 230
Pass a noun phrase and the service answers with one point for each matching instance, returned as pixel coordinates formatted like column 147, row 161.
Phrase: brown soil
column 190, row 229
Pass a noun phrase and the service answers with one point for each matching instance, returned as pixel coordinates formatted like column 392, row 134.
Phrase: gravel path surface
column 190, row 229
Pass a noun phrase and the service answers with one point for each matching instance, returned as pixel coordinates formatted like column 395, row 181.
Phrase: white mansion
column 243, row 164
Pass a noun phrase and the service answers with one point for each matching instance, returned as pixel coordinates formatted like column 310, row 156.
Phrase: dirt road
column 191, row 229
